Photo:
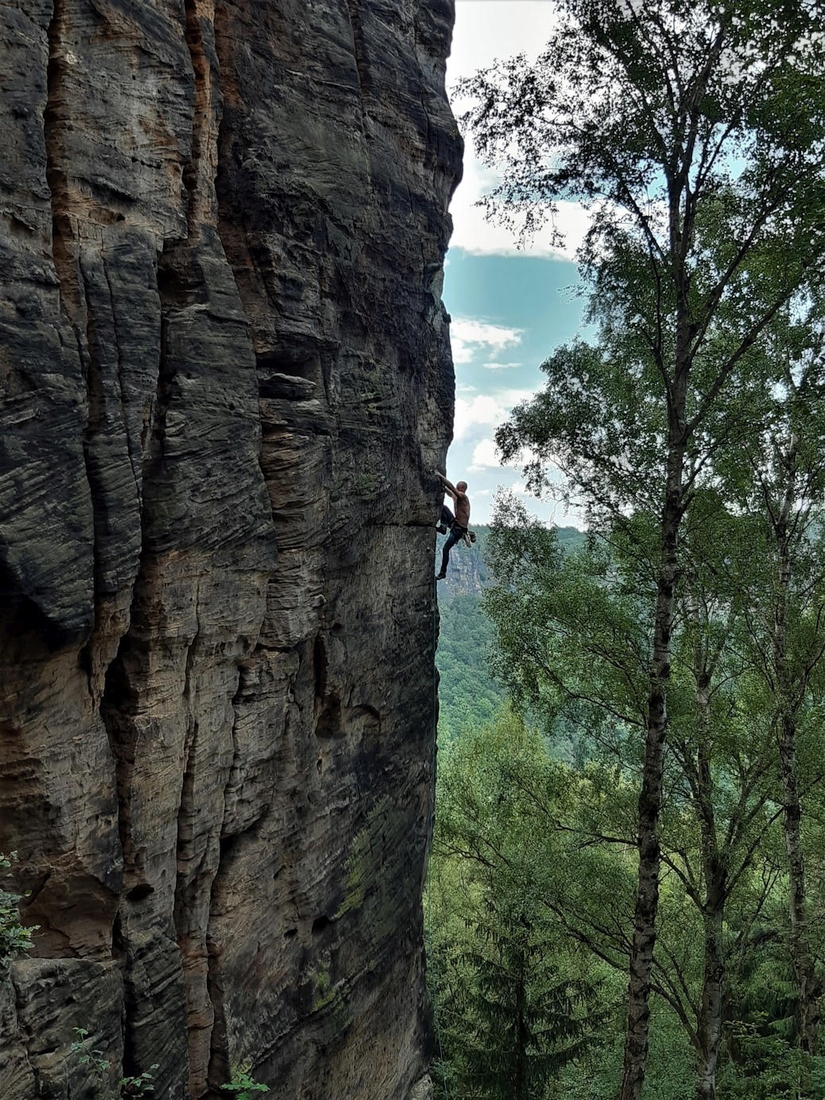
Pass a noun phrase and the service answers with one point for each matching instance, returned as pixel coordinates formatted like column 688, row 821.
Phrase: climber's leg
column 445, row 554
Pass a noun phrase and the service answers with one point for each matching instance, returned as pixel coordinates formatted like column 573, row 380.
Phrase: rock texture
column 225, row 377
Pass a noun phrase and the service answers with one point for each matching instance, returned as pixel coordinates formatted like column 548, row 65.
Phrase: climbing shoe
column 442, row 530
column 440, row 576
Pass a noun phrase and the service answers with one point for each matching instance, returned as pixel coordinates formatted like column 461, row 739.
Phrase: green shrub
column 97, row 1064
column 15, row 938
column 243, row 1084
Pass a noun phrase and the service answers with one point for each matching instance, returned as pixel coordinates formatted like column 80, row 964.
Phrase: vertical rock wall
column 225, row 377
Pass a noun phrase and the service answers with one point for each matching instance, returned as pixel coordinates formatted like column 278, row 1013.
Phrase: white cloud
column 487, row 410
column 501, row 366
column 549, row 509
column 485, row 456
column 482, row 332
column 481, row 410
column 487, row 31
column 473, row 233
column 468, row 336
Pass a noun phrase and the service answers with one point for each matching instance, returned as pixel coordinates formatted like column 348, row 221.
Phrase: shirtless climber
column 457, row 523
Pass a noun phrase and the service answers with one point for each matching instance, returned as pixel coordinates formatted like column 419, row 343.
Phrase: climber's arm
column 448, row 485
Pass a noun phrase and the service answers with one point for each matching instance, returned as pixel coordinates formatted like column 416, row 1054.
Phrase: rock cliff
column 225, row 377
column 468, row 573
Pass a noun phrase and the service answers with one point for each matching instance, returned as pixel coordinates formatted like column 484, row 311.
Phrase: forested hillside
column 531, row 889
column 627, row 878
column 469, row 695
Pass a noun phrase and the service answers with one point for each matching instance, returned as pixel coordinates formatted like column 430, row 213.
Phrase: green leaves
column 697, row 136
column 512, row 1006
column 242, row 1083
column 690, row 431
column 468, row 696
column 15, row 937
column 571, row 632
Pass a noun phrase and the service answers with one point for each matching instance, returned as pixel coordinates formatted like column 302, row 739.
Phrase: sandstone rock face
column 225, row 379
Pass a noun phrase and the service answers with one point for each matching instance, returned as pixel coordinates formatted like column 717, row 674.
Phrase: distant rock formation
column 224, row 379
column 467, row 574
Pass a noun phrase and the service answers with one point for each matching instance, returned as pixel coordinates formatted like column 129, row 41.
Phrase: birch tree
column 775, row 475
column 695, row 132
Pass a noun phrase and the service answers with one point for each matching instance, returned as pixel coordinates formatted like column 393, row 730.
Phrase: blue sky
column 510, row 308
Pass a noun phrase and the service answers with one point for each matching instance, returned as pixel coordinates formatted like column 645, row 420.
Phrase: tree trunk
column 807, row 985
column 709, row 1021
column 650, row 797
column 522, row 1034
column 805, row 978
column 709, row 1029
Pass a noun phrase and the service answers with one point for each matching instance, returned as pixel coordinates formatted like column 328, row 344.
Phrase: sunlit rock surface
column 225, row 379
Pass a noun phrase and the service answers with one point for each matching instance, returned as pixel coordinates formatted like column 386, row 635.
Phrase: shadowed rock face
column 225, row 378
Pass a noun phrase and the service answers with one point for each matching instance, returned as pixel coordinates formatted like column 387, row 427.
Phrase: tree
column 511, row 1002
column 782, row 492
column 695, row 130
column 574, row 643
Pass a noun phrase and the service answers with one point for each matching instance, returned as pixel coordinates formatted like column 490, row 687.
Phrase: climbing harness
column 462, row 534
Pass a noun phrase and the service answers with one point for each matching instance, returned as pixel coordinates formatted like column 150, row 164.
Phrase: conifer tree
column 512, row 1010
